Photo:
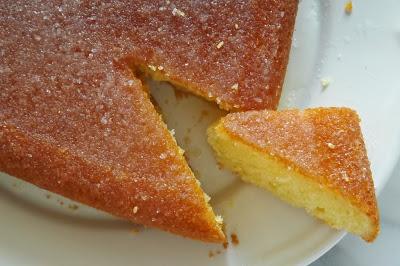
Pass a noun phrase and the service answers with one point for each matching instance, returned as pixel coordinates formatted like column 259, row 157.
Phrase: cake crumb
column 331, row 145
column 213, row 253
column 220, row 44
column 135, row 230
column 152, row 67
column 48, row 196
column 73, row 207
column 160, row 67
column 206, row 197
column 225, row 245
column 234, row 239
column 348, row 8
column 235, row 87
column 178, row 12
column 325, row 82
column 135, row 209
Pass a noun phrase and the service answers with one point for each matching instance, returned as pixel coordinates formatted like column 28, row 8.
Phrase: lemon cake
column 314, row 159
column 75, row 121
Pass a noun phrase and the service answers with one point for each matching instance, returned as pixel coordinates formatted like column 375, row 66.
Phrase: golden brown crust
column 232, row 52
column 324, row 144
column 173, row 202
column 138, row 200
column 75, row 121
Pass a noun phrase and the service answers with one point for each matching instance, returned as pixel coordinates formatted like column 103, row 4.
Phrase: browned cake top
column 65, row 89
column 323, row 143
column 233, row 52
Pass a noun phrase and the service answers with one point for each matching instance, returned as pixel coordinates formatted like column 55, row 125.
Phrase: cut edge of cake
column 217, row 221
column 284, row 180
column 157, row 74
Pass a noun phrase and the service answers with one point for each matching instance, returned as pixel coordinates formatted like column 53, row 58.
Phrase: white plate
column 358, row 53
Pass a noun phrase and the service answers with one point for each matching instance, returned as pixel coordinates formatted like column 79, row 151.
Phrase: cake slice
column 106, row 148
column 314, row 159
column 75, row 121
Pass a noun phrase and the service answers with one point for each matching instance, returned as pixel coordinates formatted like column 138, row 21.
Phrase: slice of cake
column 106, row 148
column 313, row 159
column 75, row 121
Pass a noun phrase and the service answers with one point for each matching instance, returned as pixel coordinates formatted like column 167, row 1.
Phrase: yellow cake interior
column 271, row 173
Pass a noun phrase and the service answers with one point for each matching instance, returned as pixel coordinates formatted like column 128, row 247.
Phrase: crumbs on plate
column 73, row 207
column 325, row 82
column 234, row 239
column 348, row 8
column 225, row 245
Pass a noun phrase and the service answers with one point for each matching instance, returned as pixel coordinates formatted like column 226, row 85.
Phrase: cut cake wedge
column 75, row 121
column 314, row 159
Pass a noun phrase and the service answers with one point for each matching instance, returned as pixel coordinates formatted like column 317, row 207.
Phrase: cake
column 75, row 120
column 314, row 159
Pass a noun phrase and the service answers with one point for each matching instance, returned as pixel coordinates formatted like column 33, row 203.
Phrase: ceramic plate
column 358, row 54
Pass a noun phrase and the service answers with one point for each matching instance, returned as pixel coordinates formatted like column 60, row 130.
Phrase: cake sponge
column 314, row 159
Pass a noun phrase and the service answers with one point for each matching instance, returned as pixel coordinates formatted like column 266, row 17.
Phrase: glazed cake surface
column 232, row 52
column 74, row 120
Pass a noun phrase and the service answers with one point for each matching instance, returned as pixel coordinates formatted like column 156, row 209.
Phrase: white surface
column 358, row 53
